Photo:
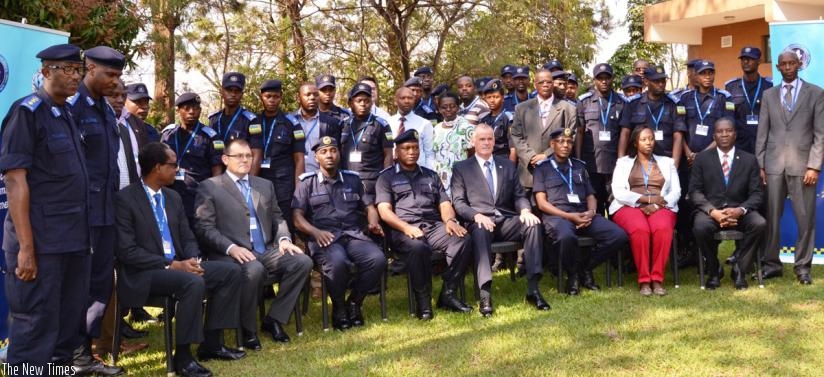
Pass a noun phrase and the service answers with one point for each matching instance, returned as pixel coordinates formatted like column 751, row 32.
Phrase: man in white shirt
column 405, row 120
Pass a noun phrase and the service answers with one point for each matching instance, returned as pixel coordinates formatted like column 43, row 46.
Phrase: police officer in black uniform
column 571, row 93
column 330, row 206
column 136, row 111
column 597, row 144
column 233, row 121
column 198, row 148
column 746, row 93
column 630, row 86
column 326, row 98
column 520, row 80
column 566, row 198
column 426, row 76
column 366, row 140
column 506, row 77
column 46, row 234
column 412, row 201
column 97, row 123
column 498, row 118
column 423, row 107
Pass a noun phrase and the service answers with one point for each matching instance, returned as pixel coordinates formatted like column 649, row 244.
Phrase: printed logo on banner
column 4, row 73
column 803, row 54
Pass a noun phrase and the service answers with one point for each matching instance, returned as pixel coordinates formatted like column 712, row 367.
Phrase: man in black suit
column 496, row 211
column 726, row 190
column 158, row 256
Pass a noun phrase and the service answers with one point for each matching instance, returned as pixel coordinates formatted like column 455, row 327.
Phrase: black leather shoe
column 141, row 315
column 192, row 369
column 770, row 274
column 355, row 314
column 448, row 300
column 423, row 309
column 222, row 353
column 93, row 367
column 588, row 281
column 273, row 327
column 425, row 314
column 340, row 319
column 485, row 306
column 572, row 287
column 536, row 299
column 130, row 332
column 252, row 342
column 805, row 279
column 738, row 278
column 712, row 283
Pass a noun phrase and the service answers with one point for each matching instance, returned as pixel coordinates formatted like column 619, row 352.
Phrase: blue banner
column 804, row 38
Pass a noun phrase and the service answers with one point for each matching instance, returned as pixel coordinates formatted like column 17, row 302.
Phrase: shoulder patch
column 509, row 115
column 306, row 175
column 584, row 96
column 542, row 161
column 209, row 131
column 249, row 115
column 168, row 128
column 350, row 172
column 31, row 102
column 674, row 97
column 768, row 79
column 73, row 99
column 632, row 97
column 427, row 109
column 292, row 119
column 214, row 113
column 731, row 81
column 725, row 93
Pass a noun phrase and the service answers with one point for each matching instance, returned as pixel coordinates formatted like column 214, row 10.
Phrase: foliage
column 636, row 48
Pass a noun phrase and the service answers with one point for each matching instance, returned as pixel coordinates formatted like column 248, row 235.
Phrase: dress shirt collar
column 481, row 161
column 236, row 178
column 730, row 154
column 547, row 101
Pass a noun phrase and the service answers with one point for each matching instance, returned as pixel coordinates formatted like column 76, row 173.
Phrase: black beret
column 61, row 52
column 187, row 98
column 360, row 88
column 520, row 72
column 271, row 86
column 106, row 56
column 630, row 81
column 413, row 81
column 408, row 135
column 602, row 68
column 423, row 70
column 562, row 131
column 234, row 79
column 137, row 91
column 493, row 86
column 326, row 141
column 440, row 89
column 322, row 81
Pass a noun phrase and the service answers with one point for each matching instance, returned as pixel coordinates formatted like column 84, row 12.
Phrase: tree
column 636, row 48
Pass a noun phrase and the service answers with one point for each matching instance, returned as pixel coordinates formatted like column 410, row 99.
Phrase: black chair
column 673, row 262
column 324, row 305
column 728, row 235
column 586, row 243
column 270, row 281
column 168, row 304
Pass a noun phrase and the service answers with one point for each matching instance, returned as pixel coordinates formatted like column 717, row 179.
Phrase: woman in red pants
column 646, row 191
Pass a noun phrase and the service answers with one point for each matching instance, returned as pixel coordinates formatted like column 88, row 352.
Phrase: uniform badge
column 298, row 134
column 254, row 129
column 326, row 140
column 730, row 106
column 389, row 136
column 680, row 110
column 218, row 145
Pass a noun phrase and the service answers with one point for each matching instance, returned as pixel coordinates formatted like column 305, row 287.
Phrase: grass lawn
column 775, row 331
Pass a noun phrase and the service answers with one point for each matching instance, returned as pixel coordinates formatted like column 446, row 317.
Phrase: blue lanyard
column 160, row 221
column 312, row 128
column 356, row 140
column 654, row 119
column 269, row 137
column 604, row 116
column 703, row 115
column 428, row 102
column 495, row 122
column 567, row 181
column 647, row 173
column 188, row 143
column 231, row 124
column 747, row 96
column 795, row 96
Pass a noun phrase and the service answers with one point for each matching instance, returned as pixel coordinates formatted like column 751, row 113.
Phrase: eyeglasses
column 240, row 156
column 69, row 69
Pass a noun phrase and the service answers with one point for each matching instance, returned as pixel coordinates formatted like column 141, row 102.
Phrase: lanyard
column 188, row 143
column 604, row 116
column 654, row 119
column 647, row 173
column 703, row 115
column 428, row 103
column 269, row 136
column 795, row 96
column 312, row 128
column 754, row 97
column 356, row 140
column 495, row 122
column 231, row 123
column 161, row 221
column 567, row 181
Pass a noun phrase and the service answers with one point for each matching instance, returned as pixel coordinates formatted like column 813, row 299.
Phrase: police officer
column 567, row 201
column 233, row 121
column 330, row 206
column 422, row 108
column 571, row 93
column 198, row 149
column 277, row 145
column 630, row 86
column 136, row 110
column 559, row 84
column 412, row 201
column 426, row 104
column 746, row 93
column 366, row 139
column 553, row 65
column 599, row 111
column 326, row 98
column 46, row 238
column 520, row 80
column 498, row 118
column 97, row 123
column 506, row 77
column 315, row 124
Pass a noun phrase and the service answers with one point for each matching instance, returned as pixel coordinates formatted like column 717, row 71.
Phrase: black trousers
column 104, row 241
column 608, row 238
column 418, row 255
column 752, row 224
column 336, row 259
column 507, row 229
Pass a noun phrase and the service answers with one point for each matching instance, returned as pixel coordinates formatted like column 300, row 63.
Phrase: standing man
column 497, row 211
column 532, row 124
column 44, row 170
column 571, row 92
column 314, row 123
column 790, row 149
column 412, row 201
column 506, row 77
column 746, row 93
column 631, row 86
column 405, row 119
column 520, row 81
column 97, row 123
column 136, row 110
column 425, row 106
column 374, row 108
column 366, row 140
column 326, row 98
column 233, row 121
column 238, row 219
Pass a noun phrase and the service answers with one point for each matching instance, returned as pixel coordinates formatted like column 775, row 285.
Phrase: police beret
column 572, row 77
column 326, row 141
column 234, row 79
column 553, row 65
column 423, row 70
column 691, row 63
column 107, row 56
column 440, row 89
column 507, row 69
column 631, row 81
column 655, row 73
column 408, row 135
column 413, row 81
column 703, row 65
column 61, row 52
column 602, row 68
column 569, row 132
column 494, row 85
column 481, row 82
column 137, row 91
column 520, row 72
column 271, row 86
column 187, row 98
column 323, row 81
column 360, row 88
column 750, row 52
column 560, row 75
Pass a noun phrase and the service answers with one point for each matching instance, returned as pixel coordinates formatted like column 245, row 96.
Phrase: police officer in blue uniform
column 571, row 93
column 326, row 98
column 553, row 65
column 426, row 106
column 559, row 84
column 746, row 94
column 198, row 148
column 599, row 111
column 46, row 234
column 520, row 80
column 413, row 202
column 423, row 107
column 330, row 206
column 233, row 121
column 135, row 111
column 98, row 128
column 506, row 77
column 498, row 118
column 630, row 86
column 366, row 140
column 567, row 201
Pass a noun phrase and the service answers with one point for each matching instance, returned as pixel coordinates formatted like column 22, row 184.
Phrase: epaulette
column 31, row 102
column 509, row 115
column 209, row 131
column 350, row 172
column 584, row 96
column 214, row 113
column 168, row 128
column 382, row 121
column 385, row 169
column 249, row 115
column 769, row 79
column 732, row 80
column 675, row 97
column 725, row 93
column 427, row 109
column 345, row 111
column 632, row 97
column 542, row 161
column 292, row 119
column 307, row 175
column 73, row 99
column 575, row 159
column 89, row 101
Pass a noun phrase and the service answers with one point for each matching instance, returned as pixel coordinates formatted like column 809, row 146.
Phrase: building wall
column 747, row 33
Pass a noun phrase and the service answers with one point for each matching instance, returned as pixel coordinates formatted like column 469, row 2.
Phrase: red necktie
column 401, row 128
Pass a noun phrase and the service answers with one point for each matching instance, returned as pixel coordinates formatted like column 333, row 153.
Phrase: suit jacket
column 140, row 245
column 626, row 197
column 791, row 142
column 222, row 216
column 471, row 196
column 707, row 188
column 529, row 137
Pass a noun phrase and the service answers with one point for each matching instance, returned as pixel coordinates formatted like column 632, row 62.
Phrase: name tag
column 181, row 175
column 355, row 156
column 659, row 135
column 573, row 198
column 752, row 120
column 167, row 248
column 252, row 223
column 266, row 163
column 603, row 135
column 702, row 129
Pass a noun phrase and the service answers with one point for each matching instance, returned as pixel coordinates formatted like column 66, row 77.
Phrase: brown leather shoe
column 645, row 290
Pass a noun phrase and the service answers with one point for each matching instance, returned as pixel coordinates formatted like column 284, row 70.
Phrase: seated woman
column 646, row 190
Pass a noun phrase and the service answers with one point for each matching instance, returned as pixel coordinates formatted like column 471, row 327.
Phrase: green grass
column 775, row 331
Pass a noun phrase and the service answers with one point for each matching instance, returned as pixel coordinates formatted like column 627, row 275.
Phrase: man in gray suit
column 790, row 148
column 533, row 121
column 238, row 219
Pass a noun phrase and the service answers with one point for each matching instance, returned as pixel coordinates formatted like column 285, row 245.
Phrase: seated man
column 329, row 205
column 158, row 256
column 567, row 200
column 412, row 201
column 725, row 188
column 497, row 211
column 238, row 219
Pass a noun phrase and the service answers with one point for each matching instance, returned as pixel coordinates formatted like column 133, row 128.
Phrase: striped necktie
column 725, row 168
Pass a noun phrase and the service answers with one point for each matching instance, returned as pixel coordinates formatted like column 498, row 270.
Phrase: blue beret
column 326, row 141
column 234, row 79
column 440, row 89
column 493, row 86
column 408, row 135
column 61, row 52
column 481, row 82
column 360, row 88
column 560, row 75
column 106, row 56
column 562, row 131
column 553, row 65
column 187, row 98
column 413, row 81
column 520, row 72
column 656, row 72
column 507, row 69
column 602, row 68
column 750, row 52
column 137, row 91
column 322, row 81
column 423, row 70
column 271, row 86
column 703, row 65
column 630, row 81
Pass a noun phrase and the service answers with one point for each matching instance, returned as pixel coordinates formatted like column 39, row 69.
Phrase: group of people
column 215, row 211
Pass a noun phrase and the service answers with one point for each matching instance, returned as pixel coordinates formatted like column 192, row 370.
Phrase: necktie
column 163, row 226
column 725, row 168
column 545, row 114
column 788, row 97
column 402, row 128
column 254, row 225
column 488, row 174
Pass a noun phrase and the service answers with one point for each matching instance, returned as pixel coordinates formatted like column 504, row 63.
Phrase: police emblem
column 803, row 54
column 415, row 134
column 567, row 131
column 326, row 140
column 4, row 73
column 233, row 78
